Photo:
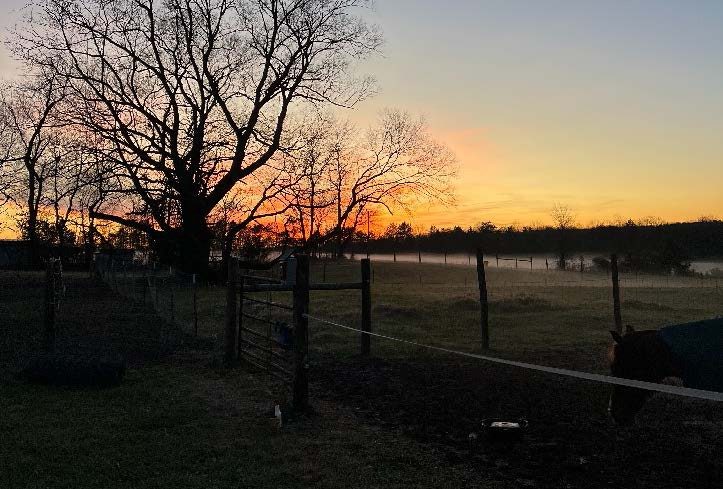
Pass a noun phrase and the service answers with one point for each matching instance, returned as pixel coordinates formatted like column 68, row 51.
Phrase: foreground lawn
column 176, row 421
column 179, row 424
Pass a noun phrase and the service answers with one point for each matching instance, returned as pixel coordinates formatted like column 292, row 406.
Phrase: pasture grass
column 534, row 315
column 177, row 422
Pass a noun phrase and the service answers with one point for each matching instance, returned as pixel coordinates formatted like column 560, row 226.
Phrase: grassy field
column 561, row 318
column 399, row 419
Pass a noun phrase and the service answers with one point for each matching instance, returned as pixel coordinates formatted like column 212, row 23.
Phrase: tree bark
column 32, row 224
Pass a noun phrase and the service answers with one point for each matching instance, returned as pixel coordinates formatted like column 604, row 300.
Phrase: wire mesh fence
column 186, row 305
column 73, row 315
column 529, row 309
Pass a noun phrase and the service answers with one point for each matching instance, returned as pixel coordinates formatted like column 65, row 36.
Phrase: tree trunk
column 32, row 229
column 562, row 251
column 89, row 243
column 340, row 245
column 194, row 248
column 226, row 256
column 187, row 248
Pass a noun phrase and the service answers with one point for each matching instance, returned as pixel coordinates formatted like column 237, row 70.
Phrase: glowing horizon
column 613, row 110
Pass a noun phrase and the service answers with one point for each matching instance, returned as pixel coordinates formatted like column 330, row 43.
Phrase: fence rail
column 290, row 337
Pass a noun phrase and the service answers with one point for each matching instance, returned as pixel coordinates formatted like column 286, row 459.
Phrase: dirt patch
column 570, row 442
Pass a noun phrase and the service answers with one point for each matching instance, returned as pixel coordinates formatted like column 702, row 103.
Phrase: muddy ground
column 570, row 442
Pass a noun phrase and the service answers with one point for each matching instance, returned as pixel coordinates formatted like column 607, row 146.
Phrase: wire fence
column 561, row 286
column 534, row 314
column 194, row 306
column 557, row 317
column 530, row 310
column 180, row 299
column 603, row 379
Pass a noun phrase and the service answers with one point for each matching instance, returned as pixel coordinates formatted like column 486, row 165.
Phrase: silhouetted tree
column 564, row 219
column 394, row 165
column 32, row 150
column 191, row 99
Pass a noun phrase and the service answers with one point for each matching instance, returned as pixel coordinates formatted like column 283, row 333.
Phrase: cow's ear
column 629, row 329
column 616, row 336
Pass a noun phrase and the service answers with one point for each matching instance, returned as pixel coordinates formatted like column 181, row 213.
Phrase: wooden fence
column 242, row 342
column 288, row 343
column 516, row 260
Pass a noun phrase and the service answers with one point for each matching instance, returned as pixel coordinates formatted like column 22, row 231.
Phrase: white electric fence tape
column 605, row 379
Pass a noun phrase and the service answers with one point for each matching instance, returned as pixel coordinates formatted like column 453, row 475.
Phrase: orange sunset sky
column 614, row 109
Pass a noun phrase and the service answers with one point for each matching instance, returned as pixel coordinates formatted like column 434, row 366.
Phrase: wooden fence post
column 173, row 307
column 195, row 307
column 230, row 331
column 239, row 346
column 49, row 299
column 301, row 334
column 484, row 306
column 616, row 293
column 366, row 306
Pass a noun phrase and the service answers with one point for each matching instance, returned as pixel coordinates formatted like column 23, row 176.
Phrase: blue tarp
column 698, row 346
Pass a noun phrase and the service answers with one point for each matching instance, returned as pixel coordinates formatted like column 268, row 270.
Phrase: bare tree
column 310, row 197
column 260, row 198
column 191, row 98
column 32, row 149
column 8, row 177
column 395, row 165
column 564, row 219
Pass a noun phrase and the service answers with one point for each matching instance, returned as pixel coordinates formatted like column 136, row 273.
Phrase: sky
column 612, row 108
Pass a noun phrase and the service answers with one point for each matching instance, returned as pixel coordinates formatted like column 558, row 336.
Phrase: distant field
column 532, row 313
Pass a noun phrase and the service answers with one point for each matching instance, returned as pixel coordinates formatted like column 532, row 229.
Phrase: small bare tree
column 32, row 150
column 310, row 198
column 395, row 165
column 564, row 219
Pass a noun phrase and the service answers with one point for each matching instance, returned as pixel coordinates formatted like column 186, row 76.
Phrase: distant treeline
column 639, row 245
